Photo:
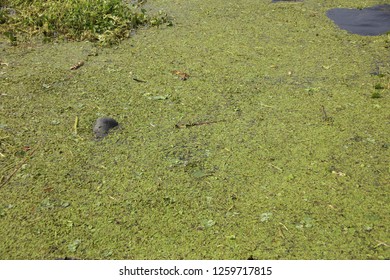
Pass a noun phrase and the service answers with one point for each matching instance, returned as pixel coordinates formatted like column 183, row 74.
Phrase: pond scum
column 247, row 130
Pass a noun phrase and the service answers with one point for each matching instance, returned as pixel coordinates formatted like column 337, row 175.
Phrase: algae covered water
column 247, row 130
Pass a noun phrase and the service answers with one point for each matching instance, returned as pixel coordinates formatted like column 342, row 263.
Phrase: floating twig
column 325, row 116
column 381, row 243
column 183, row 76
column 6, row 180
column 338, row 173
column 77, row 65
column 138, row 80
column 284, row 226
column 276, row 167
column 187, row 125
column 76, row 124
column 266, row 106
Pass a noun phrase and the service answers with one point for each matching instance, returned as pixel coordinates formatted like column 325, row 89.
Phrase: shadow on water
column 370, row 21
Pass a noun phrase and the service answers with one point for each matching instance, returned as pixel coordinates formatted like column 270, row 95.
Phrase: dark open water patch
column 370, row 21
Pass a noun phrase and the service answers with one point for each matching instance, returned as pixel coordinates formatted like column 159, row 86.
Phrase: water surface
column 370, row 21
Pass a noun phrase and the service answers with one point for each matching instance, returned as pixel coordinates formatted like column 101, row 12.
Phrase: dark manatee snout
column 103, row 125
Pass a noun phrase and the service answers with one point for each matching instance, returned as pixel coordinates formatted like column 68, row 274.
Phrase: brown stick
column 19, row 166
column 138, row 80
column 77, row 65
column 186, row 125
column 325, row 116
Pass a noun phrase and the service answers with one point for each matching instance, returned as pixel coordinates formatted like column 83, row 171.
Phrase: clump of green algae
column 282, row 182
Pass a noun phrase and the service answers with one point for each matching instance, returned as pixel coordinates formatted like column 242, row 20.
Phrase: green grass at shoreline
column 100, row 20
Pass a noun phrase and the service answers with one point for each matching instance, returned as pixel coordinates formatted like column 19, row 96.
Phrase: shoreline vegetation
column 104, row 21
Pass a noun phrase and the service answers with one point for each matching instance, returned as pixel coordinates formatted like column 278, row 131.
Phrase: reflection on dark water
column 367, row 22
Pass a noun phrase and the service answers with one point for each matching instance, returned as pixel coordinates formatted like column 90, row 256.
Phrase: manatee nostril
column 103, row 125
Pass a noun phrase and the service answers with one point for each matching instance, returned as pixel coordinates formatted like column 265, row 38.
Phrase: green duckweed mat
column 248, row 130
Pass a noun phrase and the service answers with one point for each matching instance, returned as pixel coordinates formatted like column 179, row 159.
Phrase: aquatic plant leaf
column 199, row 174
column 208, row 223
column 265, row 216
column 306, row 222
column 72, row 247
column 65, row 204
